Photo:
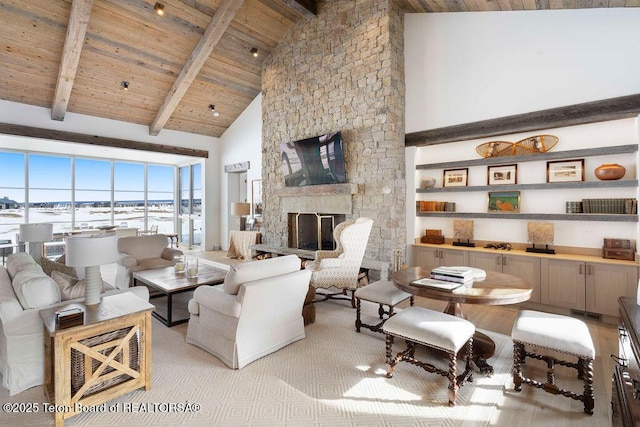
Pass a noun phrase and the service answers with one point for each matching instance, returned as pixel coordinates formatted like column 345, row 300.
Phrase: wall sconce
column 159, row 8
column 254, row 52
column 213, row 108
column 125, row 85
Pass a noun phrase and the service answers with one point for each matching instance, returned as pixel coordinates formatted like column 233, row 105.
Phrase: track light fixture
column 159, row 8
column 213, row 108
column 254, row 52
column 125, row 85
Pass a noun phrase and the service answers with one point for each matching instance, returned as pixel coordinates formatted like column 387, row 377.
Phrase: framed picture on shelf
column 500, row 175
column 455, row 177
column 256, row 198
column 565, row 170
column 504, row 201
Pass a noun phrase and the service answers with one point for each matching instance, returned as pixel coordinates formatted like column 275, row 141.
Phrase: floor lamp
column 36, row 235
column 91, row 252
column 241, row 209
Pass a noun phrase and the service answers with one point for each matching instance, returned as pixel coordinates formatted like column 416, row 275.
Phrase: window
column 49, row 191
column 92, row 192
column 160, row 204
column 128, row 195
column 12, row 197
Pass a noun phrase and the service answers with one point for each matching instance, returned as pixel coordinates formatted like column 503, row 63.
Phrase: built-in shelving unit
column 559, row 155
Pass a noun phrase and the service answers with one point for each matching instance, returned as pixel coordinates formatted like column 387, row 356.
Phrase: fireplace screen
column 312, row 231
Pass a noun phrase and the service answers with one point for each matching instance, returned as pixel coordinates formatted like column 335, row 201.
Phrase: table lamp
column 91, row 252
column 241, row 209
column 36, row 235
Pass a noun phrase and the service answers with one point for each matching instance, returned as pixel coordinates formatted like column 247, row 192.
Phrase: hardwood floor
column 532, row 406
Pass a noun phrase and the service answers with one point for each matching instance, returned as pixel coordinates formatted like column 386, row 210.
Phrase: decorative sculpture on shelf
column 540, row 233
column 531, row 145
column 463, row 230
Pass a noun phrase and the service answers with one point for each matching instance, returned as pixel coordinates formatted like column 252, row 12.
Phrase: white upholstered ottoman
column 559, row 333
column 384, row 293
column 441, row 331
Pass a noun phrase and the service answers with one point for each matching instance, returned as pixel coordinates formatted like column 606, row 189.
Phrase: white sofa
column 21, row 329
column 257, row 311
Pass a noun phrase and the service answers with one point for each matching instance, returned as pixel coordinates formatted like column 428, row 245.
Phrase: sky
column 50, row 179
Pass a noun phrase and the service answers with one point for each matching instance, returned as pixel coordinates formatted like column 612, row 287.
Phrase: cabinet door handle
column 590, row 270
column 581, row 269
column 498, row 260
column 504, row 260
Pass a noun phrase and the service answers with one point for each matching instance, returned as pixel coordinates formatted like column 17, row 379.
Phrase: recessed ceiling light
column 159, row 8
column 213, row 108
column 254, row 52
column 125, row 85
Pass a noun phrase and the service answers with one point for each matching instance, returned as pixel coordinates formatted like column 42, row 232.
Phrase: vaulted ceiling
column 75, row 55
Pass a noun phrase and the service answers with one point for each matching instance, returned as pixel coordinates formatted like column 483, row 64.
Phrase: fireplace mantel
column 326, row 198
column 319, row 190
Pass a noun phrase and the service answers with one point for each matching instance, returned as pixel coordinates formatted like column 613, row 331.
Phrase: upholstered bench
column 561, row 334
column 440, row 331
column 384, row 293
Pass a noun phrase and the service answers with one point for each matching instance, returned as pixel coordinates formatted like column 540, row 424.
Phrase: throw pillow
column 70, row 287
column 21, row 261
column 34, row 289
column 49, row 266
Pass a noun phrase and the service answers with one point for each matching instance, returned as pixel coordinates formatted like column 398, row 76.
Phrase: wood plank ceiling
column 74, row 55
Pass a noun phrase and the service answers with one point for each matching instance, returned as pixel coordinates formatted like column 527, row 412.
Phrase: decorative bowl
column 428, row 182
column 609, row 172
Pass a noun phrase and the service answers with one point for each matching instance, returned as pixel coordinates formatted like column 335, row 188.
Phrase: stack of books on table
column 461, row 275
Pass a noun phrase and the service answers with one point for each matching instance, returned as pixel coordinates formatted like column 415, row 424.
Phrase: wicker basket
column 78, row 368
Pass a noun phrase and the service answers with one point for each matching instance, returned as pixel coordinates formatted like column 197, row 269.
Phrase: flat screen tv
column 313, row 161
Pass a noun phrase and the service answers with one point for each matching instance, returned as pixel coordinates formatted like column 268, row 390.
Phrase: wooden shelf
column 536, row 186
column 536, row 216
column 553, row 155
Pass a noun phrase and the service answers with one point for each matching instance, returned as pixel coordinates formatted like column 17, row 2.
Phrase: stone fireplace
column 342, row 70
column 312, row 231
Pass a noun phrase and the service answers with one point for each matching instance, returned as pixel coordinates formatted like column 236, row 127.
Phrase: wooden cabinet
column 586, row 286
column 432, row 257
column 583, row 283
column 605, row 283
column 524, row 267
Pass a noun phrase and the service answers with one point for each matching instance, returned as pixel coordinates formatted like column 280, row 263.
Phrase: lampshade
column 36, row 232
column 240, row 209
column 87, row 251
column 91, row 252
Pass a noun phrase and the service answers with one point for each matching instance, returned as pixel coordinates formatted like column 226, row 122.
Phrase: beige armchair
column 142, row 253
column 340, row 268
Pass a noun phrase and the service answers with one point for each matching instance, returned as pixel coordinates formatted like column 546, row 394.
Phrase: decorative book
column 442, row 285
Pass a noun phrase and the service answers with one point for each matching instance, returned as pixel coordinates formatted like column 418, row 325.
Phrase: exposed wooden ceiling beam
column 579, row 114
column 58, row 135
column 306, row 8
column 76, row 31
column 218, row 25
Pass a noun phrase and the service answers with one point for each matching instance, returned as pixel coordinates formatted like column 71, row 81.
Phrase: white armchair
column 257, row 311
column 340, row 268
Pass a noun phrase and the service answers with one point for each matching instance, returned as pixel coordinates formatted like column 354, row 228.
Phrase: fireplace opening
column 312, row 231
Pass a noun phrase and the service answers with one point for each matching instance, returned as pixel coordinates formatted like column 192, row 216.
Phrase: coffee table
column 168, row 283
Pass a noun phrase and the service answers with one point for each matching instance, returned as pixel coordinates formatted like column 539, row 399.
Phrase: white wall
column 467, row 67
column 29, row 115
column 241, row 142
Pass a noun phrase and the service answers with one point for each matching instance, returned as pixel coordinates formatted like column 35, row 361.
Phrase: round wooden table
column 496, row 289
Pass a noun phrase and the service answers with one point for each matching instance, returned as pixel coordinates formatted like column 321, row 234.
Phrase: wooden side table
column 111, row 353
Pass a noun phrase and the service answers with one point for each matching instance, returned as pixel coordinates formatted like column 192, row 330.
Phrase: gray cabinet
column 587, row 286
column 431, row 257
column 525, row 267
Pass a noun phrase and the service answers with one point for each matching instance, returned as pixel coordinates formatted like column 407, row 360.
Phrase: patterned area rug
column 334, row 377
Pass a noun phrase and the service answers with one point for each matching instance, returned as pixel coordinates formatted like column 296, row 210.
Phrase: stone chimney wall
column 341, row 71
